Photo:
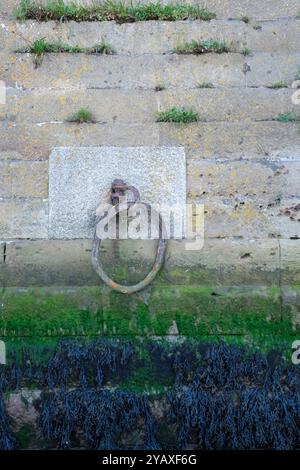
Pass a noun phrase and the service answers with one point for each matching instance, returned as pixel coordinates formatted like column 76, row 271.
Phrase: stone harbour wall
column 242, row 163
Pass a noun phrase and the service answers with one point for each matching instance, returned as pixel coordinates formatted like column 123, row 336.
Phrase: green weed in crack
column 110, row 10
column 41, row 46
column 81, row 116
column 178, row 115
column 203, row 47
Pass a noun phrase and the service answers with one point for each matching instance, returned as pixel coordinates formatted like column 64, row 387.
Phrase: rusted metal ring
column 158, row 262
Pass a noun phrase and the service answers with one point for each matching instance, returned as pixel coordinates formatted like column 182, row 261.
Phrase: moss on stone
column 25, row 436
column 42, row 312
column 144, row 380
column 198, row 312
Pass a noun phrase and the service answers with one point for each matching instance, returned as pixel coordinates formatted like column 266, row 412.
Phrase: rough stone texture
column 24, row 218
column 68, row 262
column 158, row 37
column 115, row 106
column 33, row 142
column 5, row 180
column 24, row 179
column 264, row 181
column 80, row 176
column 250, row 199
column 55, row 262
column 201, row 140
column 81, row 71
column 3, row 276
column 223, row 219
column 268, row 9
column 290, row 265
column 234, row 140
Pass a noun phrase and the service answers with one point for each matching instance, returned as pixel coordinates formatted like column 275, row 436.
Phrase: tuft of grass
column 100, row 48
column 246, row 51
column 110, row 10
column 83, row 115
column 288, row 117
column 41, row 46
column 277, row 85
column 205, row 85
column 245, row 19
column 202, row 47
column 180, row 115
column 160, row 87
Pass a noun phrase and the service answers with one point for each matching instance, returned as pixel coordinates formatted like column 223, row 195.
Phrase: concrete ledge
column 220, row 263
column 115, row 106
column 197, row 311
column 290, row 262
column 201, row 140
column 158, row 37
column 81, row 71
column 242, row 140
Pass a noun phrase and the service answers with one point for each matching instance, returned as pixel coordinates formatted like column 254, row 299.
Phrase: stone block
column 23, row 218
column 80, row 177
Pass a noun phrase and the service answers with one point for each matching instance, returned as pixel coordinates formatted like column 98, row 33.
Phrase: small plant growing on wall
column 179, row 115
column 202, row 47
column 277, row 85
column 246, row 51
column 110, row 10
column 245, row 19
column 160, row 87
column 83, row 115
column 205, row 85
column 101, row 48
column 40, row 47
column 288, row 117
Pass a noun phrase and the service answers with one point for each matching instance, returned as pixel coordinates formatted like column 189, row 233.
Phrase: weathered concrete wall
column 241, row 163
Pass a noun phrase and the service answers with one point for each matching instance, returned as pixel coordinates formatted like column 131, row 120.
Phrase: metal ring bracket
column 118, row 189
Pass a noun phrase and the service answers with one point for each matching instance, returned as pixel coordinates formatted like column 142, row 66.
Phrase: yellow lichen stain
column 248, row 213
column 185, row 134
column 23, row 73
column 193, row 194
column 81, row 70
column 62, row 100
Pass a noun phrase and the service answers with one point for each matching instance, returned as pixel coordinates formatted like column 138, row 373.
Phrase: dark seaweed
column 73, row 362
column 7, row 440
column 223, row 396
column 101, row 415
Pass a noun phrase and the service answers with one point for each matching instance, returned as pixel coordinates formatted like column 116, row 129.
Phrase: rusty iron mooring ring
column 159, row 259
